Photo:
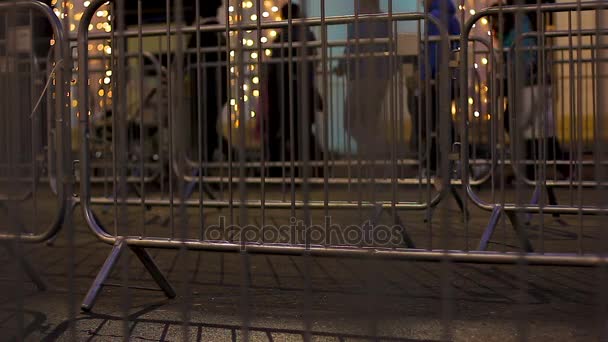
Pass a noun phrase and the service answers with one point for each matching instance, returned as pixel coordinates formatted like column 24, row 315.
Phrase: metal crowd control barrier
column 269, row 203
column 190, row 226
column 193, row 172
column 34, row 136
column 533, row 140
column 560, row 60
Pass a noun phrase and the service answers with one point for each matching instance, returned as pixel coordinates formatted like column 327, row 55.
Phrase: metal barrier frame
column 558, row 34
column 62, row 134
column 139, row 244
column 512, row 210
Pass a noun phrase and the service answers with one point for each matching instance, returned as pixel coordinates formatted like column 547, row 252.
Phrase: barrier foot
column 106, row 269
column 459, row 202
column 155, row 272
column 27, row 267
column 190, row 187
column 465, row 213
column 378, row 210
column 407, row 240
column 551, row 197
column 533, row 201
column 490, row 228
column 108, row 266
column 525, row 243
column 429, row 215
column 377, row 214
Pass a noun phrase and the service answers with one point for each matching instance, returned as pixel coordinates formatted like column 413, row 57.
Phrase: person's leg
column 274, row 140
column 212, row 136
column 373, row 127
column 557, row 154
column 530, row 155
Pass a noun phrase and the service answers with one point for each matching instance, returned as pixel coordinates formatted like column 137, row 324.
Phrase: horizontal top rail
column 317, row 21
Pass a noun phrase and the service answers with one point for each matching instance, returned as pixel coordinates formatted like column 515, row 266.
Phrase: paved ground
column 284, row 298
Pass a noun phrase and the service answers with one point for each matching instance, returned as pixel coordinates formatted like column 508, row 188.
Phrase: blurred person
column 367, row 71
column 211, row 89
column 291, row 94
column 529, row 110
column 445, row 12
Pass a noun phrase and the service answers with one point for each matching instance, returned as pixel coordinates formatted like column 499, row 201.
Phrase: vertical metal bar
column 290, row 101
column 242, row 65
column 35, row 118
column 161, row 121
column 229, row 112
column 13, row 149
column 121, row 141
column 600, row 155
column 428, row 117
column 115, row 109
column 395, row 85
column 326, row 107
column 540, row 55
column 64, row 150
column 443, row 146
column 465, row 175
column 199, row 102
column 140, row 58
column 579, row 113
column 171, row 120
column 261, row 118
column 241, row 69
column 186, row 300
column 306, row 114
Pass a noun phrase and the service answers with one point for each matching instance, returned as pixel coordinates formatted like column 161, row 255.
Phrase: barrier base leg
column 106, row 269
column 407, row 240
column 459, row 202
column 27, row 267
column 155, row 272
column 190, row 187
column 490, row 228
column 525, row 243
column 378, row 210
column 108, row 266
column 551, row 197
column 522, row 236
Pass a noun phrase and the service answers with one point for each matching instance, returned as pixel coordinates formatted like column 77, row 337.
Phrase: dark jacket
column 305, row 98
column 212, row 88
column 446, row 14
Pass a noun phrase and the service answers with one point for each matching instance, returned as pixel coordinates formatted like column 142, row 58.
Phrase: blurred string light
column 245, row 12
column 101, row 22
column 481, row 63
column 248, row 14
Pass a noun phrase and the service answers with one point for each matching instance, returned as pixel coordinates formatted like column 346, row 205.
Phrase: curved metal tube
column 83, row 36
column 547, row 8
column 62, row 122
